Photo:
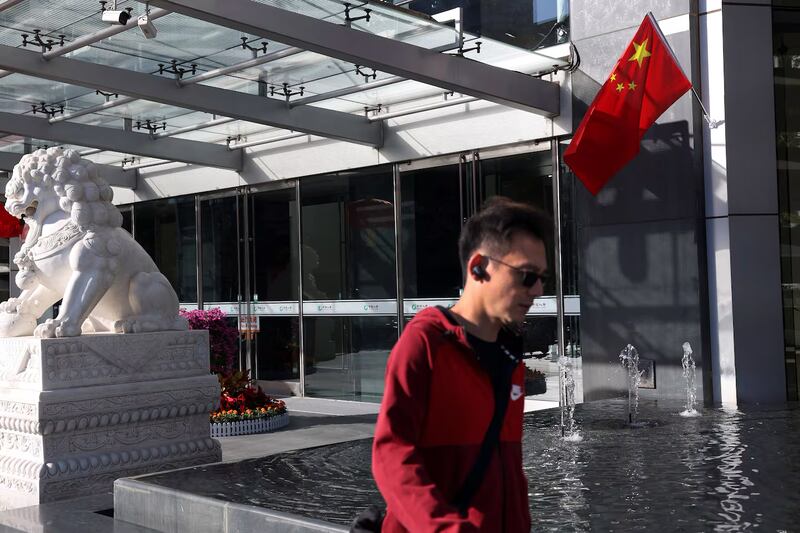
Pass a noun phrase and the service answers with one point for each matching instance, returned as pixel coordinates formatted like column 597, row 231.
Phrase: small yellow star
column 640, row 53
column 631, row 86
column 614, row 76
column 620, row 86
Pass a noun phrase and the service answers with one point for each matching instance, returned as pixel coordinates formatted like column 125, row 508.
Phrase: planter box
column 535, row 386
column 248, row 427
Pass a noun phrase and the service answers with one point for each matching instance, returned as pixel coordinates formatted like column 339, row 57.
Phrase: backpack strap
column 490, row 442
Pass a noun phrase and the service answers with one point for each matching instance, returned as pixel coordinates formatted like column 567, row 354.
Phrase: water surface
column 726, row 470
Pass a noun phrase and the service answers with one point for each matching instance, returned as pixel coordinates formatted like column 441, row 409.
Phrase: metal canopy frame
column 115, row 176
column 450, row 72
column 181, row 150
column 424, row 65
column 234, row 104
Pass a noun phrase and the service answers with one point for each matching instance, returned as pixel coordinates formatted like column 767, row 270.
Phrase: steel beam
column 196, row 79
column 183, row 150
column 9, row 3
column 115, row 176
column 86, row 40
column 242, row 106
column 394, row 57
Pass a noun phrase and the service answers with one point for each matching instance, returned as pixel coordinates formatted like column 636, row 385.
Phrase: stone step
column 143, row 503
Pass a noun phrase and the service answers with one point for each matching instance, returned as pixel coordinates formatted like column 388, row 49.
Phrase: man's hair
column 496, row 224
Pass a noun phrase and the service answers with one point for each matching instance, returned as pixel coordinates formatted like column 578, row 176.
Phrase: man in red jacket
column 446, row 373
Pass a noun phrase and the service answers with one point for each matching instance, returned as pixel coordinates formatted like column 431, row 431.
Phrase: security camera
column 146, row 25
column 117, row 17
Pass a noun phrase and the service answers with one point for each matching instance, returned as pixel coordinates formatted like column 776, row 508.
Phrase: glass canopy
column 253, row 66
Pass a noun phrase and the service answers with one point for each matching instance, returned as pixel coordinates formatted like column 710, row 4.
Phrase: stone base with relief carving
column 78, row 413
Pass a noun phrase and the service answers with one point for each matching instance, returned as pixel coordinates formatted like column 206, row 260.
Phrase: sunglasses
column 528, row 278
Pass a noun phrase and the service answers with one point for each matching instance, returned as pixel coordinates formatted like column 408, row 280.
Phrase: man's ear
column 476, row 267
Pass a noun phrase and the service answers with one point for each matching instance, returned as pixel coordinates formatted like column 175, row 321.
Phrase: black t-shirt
column 493, row 356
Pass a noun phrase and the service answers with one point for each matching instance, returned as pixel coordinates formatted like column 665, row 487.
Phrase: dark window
column 431, row 223
column 786, row 64
column 220, row 241
column 277, row 348
column 525, row 178
column 348, row 235
column 127, row 219
column 273, row 236
column 166, row 230
column 5, row 280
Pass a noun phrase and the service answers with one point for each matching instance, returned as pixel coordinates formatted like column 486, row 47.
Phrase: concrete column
column 742, row 212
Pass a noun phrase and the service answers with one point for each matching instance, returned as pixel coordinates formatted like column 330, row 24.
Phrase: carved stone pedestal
column 78, row 413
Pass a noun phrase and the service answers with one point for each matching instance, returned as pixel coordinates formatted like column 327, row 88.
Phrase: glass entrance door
column 272, row 268
column 249, row 268
column 320, row 274
column 349, row 282
column 438, row 195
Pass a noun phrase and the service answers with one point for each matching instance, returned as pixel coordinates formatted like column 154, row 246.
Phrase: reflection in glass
column 786, row 64
column 346, row 356
column 348, row 235
column 127, row 219
column 220, row 242
column 531, row 25
column 431, row 223
column 273, row 234
column 238, row 357
column 570, row 260
column 540, row 348
column 277, row 348
column 5, row 278
column 166, row 230
column 524, row 178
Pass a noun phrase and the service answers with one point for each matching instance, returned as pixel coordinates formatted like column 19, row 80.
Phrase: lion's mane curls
column 82, row 192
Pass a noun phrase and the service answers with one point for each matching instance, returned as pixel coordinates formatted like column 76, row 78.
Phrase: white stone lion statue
column 76, row 251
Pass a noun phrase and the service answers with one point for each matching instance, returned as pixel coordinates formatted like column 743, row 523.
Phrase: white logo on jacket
column 516, row 392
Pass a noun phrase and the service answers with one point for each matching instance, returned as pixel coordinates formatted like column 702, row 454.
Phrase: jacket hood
column 437, row 318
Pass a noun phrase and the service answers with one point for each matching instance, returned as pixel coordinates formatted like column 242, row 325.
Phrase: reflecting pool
column 727, row 470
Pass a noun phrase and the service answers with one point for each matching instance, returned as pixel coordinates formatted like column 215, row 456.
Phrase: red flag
column 10, row 226
column 645, row 81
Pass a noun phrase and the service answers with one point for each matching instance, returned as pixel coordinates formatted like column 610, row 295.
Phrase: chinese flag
column 645, row 81
column 10, row 226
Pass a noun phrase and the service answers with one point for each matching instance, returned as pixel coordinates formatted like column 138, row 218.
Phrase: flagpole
column 711, row 122
column 557, row 270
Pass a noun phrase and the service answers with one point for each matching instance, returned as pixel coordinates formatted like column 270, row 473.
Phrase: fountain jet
column 691, row 387
column 567, row 400
column 629, row 357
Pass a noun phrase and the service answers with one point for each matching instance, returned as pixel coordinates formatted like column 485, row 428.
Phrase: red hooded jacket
column 437, row 405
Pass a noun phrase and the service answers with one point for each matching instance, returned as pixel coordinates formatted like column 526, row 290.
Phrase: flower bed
column 535, row 382
column 243, row 406
column 249, row 427
column 246, row 421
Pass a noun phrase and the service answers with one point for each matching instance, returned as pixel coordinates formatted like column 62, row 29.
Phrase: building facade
column 321, row 250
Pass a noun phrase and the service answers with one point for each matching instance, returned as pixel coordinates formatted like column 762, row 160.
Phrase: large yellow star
column 640, row 53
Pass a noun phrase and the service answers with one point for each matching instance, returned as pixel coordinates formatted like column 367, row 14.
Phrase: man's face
column 506, row 298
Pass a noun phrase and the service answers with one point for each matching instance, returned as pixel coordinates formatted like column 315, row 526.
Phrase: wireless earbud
column 479, row 272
